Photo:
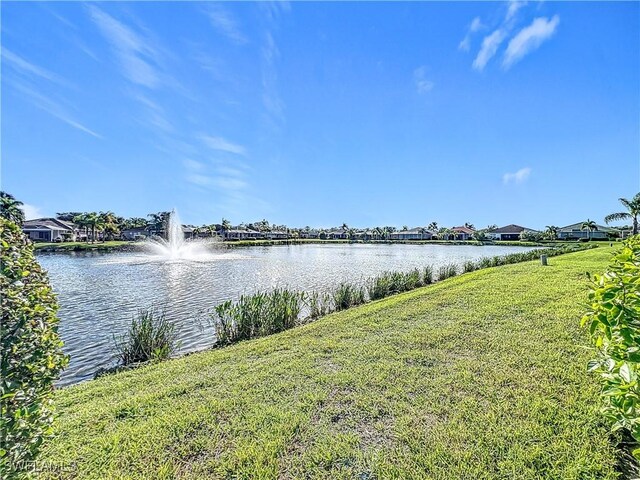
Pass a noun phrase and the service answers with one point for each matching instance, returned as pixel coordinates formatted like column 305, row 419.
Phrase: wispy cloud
column 52, row 107
column 530, row 38
column 476, row 25
column 31, row 211
column 489, row 47
column 221, row 144
column 137, row 56
column 423, row 84
column 272, row 102
column 270, row 95
column 517, row 177
column 225, row 23
column 23, row 66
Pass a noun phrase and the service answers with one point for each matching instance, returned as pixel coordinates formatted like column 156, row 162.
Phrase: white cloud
column 219, row 143
column 224, row 22
column 514, row 6
column 135, row 54
column 31, row 211
column 517, row 177
column 476, row 25
column 530, row 38
column 490, row 45
column 423, row 85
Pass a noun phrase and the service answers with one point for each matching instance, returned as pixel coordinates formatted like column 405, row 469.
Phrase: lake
column 100, row 293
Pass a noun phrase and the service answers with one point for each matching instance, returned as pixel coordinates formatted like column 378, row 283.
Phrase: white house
column 48, row 230
column 418, row 233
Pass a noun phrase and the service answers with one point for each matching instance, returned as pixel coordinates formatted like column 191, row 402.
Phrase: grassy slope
column 480, row 376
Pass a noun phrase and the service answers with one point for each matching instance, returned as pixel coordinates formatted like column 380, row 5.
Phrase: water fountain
column 175, row 246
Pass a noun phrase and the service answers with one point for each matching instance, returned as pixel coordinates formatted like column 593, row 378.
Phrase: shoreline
column 130, row 246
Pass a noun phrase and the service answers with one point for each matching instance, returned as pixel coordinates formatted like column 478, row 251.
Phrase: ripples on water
column 100, row 293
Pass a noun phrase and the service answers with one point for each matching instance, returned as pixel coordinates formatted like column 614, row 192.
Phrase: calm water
column 100, row 293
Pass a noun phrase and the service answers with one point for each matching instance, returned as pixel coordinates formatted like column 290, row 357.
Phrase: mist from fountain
column 175, row 246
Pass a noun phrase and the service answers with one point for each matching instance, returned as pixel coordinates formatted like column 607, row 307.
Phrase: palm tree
column 633, row 212
column 469, row 225
column 551, row 232
column 81, row 220
column 445, row 233
column 10, row 208
column 109, row 223
column 589, row 226
column 433, row 226
column 405, row 228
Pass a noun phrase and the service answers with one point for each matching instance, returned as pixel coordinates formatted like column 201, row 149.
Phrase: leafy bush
column 531, row 236
column 613, row 318
column 32, row 358
column 150, row 337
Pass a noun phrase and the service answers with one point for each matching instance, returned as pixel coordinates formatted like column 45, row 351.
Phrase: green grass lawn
column 482, row 376
column 82, row 245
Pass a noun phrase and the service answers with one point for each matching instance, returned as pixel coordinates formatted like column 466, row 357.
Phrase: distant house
column 510, row 232
column 242, row 234
column 575, row 232
column 310, row 234
column 463, row 233
column 418, row 233
column 337, row 234
column 276, row 235
column 134, row 233
column 187, row 231
column 49, row 230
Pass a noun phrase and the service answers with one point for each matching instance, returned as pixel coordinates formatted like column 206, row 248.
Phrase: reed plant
column 318, row 304
column 348, row 295
column 469, row 266
column 447, row 271
column 151, row 336
column 257, row 315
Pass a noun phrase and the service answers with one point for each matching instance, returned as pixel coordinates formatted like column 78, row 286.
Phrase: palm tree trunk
column 635, row 225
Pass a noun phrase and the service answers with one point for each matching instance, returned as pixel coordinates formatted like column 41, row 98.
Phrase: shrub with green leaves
column 613, row 319
column 32, row 357
column 150, row 337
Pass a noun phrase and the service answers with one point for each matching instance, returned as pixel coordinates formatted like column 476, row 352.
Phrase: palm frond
column 614, row 217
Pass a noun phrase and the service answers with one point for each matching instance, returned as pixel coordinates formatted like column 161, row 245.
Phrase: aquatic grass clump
column 427, row 275
column 318, row 304
column 347, row 296
column 390, row 283
column 447, row 271
column 469, row 266
column 257, row 315
column 150, row 337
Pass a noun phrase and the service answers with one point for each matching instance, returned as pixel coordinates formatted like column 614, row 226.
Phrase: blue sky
column 323, row 113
